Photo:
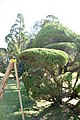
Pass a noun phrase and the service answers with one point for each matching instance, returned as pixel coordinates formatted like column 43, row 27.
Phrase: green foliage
column 47, row 58
column 53, row 32
column 67, row 76
column 13, row 48
column 68, row 47
column 39, row 84
column 65, row 80
column 78, row 89
column 77, row 43
column 3, row 62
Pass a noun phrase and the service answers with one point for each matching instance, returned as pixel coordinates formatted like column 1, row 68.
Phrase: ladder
column 12, row 64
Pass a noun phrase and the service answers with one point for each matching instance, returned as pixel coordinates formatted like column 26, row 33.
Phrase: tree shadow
column 56, row 112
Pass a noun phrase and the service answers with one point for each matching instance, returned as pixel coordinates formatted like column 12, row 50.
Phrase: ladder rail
column 19, row 93
column 5, row 78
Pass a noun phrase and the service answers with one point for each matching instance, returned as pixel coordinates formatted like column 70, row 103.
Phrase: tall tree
column 17, row 28
column 17, row 36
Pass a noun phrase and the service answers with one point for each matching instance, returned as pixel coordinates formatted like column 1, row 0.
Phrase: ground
column 33, row 110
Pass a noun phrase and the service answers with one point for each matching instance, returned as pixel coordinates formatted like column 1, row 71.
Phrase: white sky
column 68, row 11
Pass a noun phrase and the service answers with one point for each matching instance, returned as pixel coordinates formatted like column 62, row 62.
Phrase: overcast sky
column 68, row 11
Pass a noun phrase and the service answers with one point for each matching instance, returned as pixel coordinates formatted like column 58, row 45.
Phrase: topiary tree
column 53, row 32
column 41, row 78
column 54, row 35
column 49, row 70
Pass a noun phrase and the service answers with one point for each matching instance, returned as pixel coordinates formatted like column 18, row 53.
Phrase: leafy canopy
column 44, row 57
column 53, row 32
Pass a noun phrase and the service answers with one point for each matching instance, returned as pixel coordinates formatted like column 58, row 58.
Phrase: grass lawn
column 10, row 107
